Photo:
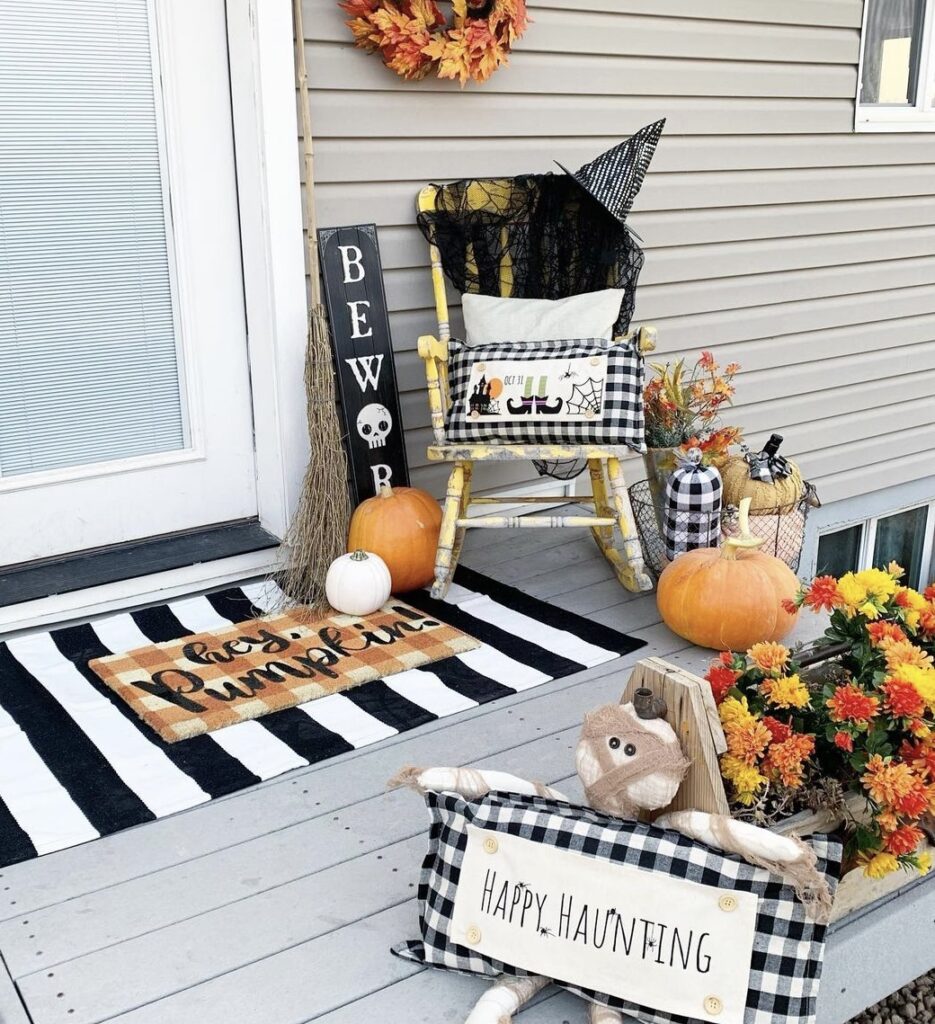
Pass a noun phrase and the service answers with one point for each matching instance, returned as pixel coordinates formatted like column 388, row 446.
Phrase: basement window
column 896, row 84
column 904, row 537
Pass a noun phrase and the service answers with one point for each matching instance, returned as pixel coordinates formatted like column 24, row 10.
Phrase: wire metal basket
column 782, row 529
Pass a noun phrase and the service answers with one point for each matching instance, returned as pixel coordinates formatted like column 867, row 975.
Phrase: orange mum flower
column 902, row 699
column 748, row 741
column 844, row 741
column 927, row 622
column 929, row 593
column 785, row 761
column 920, row 755
column 895, row 784
column 789, row 605
column 905, row 652
column 883, row 632
column 850, row 704
column 769, row 657
column 916, row 802
column 721, row 679
column 822, row 594
column 903, row 840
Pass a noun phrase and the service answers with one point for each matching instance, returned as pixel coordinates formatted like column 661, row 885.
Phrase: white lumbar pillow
column 489, row 320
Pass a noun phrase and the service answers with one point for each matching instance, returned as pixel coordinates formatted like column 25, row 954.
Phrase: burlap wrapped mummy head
column 629, row 758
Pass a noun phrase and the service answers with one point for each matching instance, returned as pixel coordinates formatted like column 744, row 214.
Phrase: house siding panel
column 774, row 235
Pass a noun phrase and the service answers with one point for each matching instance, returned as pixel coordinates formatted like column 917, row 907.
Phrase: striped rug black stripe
column 72, row 758
column 75, row 762
column 515, row 646
column 215, row 771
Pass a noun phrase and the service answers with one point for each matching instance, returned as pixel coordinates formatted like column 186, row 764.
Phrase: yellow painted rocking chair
column 609, row 496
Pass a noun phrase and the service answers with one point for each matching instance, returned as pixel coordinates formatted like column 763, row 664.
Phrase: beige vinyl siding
column 774, row 235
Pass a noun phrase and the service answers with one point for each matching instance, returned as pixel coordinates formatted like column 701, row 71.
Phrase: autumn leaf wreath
column 415, row 40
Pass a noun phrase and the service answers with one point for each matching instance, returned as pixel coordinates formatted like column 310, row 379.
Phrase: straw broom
column 318, row 532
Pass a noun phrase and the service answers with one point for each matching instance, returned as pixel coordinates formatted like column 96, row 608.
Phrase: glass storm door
column 124, row 385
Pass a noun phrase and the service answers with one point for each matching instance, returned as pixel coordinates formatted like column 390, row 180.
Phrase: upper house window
column 896, row 85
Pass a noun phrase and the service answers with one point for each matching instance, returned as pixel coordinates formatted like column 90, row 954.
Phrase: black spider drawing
column 546, row 931
column 522, row 885
column 612, row 911
column 569, row 373
column 651, row 944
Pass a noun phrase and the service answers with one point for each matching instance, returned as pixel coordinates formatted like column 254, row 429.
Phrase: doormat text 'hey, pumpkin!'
column 200, row 683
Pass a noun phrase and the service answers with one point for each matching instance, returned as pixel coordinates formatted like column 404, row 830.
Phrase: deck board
column 277, row 905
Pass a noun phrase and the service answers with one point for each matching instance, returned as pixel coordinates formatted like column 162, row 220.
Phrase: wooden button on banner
column 713, row 1005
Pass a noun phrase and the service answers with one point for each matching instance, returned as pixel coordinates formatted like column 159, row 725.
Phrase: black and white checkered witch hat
column 615, row 177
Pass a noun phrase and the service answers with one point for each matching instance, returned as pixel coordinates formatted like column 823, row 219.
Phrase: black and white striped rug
column 76, row 763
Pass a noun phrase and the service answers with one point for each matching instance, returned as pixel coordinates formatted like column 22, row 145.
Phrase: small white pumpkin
column 358, row 583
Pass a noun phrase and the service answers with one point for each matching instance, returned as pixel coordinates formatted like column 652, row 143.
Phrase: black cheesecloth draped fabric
column 534, row 236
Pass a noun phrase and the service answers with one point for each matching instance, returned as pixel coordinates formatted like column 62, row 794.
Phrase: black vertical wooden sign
column 363, row 353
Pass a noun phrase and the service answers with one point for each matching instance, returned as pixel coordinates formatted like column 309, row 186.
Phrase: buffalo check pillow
column 587, row 391
column 729, row 944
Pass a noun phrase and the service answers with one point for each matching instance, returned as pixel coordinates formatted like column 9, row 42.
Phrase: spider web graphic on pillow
column 586, row 397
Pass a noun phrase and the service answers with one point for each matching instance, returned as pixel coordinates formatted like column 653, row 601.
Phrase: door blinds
column 88, row 348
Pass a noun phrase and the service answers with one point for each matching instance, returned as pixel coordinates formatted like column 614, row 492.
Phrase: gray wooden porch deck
column 278, row 905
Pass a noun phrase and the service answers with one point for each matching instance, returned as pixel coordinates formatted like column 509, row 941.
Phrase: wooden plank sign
column 693, row 715
column 360, row 331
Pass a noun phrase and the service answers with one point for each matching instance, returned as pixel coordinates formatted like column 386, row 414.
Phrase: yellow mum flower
column 924, row 862
column 735, row 712
column 922, row 678
column 912, row 604
column 745, row 779
column 852, row 592
column 880, row 864
column 895, row 570
column 877, row 583
column 869, row 610
column 786, row 692
column 769, row 657
column 912, row 599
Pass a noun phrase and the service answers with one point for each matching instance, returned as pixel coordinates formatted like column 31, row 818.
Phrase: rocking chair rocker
column 609, row 496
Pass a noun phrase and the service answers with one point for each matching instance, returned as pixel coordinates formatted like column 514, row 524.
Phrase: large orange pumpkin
column 728, row 598
column 401, row 525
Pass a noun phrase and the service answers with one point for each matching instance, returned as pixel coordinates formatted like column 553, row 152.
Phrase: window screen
column 900, row 538
column 839, row 552
column 892, row 45
column 88, row 349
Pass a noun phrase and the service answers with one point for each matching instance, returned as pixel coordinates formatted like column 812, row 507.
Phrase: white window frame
column 868, row 538
column 874, row 117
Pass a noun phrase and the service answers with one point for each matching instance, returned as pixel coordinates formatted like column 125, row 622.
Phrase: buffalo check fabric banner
column 619, row 912
column 76, row 762
column 196, row 684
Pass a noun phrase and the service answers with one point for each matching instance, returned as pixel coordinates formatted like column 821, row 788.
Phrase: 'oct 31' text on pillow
column 489, row 319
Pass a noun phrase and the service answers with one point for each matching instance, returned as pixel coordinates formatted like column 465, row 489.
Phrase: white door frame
column 269, row 196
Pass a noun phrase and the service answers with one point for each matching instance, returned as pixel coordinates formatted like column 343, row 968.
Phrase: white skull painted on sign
column 373, row 424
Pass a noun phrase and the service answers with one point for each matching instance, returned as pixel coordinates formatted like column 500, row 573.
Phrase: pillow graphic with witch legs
column 587, row 391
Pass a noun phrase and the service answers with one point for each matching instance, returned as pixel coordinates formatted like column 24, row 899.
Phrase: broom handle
column 301, row 74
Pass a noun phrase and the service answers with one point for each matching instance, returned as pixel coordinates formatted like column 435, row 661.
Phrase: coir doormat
column 76, row 762
column 196, row 684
